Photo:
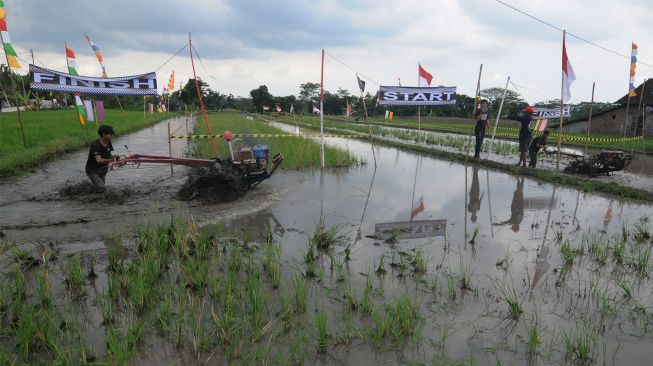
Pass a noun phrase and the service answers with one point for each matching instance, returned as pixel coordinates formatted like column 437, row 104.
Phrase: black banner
column 414, row 96
column 50, row 80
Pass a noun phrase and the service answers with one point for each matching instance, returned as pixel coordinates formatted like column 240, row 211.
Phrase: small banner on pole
column 56, row 81
column 401, row 95
column 551, row 112
column 89, row 110
column 99, row 108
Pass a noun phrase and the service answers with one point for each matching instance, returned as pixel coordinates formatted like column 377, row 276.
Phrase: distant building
column 612, row 121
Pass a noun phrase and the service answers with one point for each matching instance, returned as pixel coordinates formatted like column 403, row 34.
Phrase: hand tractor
column 219, row 179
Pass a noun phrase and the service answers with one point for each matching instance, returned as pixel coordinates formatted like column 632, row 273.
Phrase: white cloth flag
column 568, row 75
column 89, row 110
column 316, row 110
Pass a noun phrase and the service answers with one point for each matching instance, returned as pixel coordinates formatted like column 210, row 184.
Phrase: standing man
column 537, row 143
column 525, row 134
column 99, row 157
column 481, row 117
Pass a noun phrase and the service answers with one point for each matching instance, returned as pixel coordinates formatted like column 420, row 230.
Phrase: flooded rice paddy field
column 418, row 261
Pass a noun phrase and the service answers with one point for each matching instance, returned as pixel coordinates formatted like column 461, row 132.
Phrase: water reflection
column 475, row 197
column 516, row 207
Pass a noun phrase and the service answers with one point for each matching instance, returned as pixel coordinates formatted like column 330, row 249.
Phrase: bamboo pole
column 74, row 99
column 369, row 129
column 199, row 95
column 496, row 122
column 562, row 78
column 322, row 113
column 589, row 119
column 469, row 135
column 13, row 86
column 170, row 149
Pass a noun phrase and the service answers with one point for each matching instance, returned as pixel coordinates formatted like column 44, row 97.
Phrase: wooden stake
column 562, row 73
column 322, row 113
column 199, row 95
column 496, row 123
column 369, row 129
column 13, row 86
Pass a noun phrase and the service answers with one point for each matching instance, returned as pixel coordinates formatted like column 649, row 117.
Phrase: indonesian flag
column 417, row 208
column 348, row 108
column 266, row 107
column 316, row 110
column 568, row 75
column 278, row 107
column 424, row 77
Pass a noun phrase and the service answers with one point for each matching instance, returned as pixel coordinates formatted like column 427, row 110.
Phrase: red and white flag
column 568, row 75
column 348, row 109
column 316, row 110
column 417, row 208
column 424, row 77
column 266, row 107
column 278, row 107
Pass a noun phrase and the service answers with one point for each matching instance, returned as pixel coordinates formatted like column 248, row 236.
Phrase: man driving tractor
column 99, row 157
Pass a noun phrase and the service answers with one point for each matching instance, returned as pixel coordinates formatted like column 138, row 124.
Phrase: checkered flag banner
column 415, row 96
column 56, row 81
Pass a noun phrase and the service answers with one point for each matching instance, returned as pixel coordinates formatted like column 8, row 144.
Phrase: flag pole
column 562, row 82
column 322, row 113
column 13, row 86
column 65, row 44
column 496, row 123
column 639, row 107
column 199, row 95
column 369, row 129
column 469, row 135
column 589, row 119
column 419, row 109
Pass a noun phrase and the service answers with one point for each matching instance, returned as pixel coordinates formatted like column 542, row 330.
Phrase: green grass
column 298, row 152
column 50, row 134
column 321, row 325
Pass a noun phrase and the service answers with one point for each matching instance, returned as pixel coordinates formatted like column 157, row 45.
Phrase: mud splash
column 211, row 186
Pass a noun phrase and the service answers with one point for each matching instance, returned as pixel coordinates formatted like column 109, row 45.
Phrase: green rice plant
column 366, row 300
column 465, row 275
column 403, row 317
column 23, row 258
column 475, row 232
column 643, row 258
column 380, row 269
column 26, row 329
column 75, row 278
column 324, row 238
column 164, row 315
column 607, row 306
column 196, row 324
column 235, row 258
column 122, row 346
column 257, row 302
column 341, row 275
column 641, row 235
column 567, row 253
column 627, row 289
column 301, row 293
column 107, row 308
column 116, row 255
column 5, row 298
column 43, row 288
column 322, row 331
column 113, row 286
column 140, row 288
column 509, row 296
column 619, row 252
column 215, row 284
column 505, row 262
column 195, row 272
column 534, row 337
column 297, row 348
column 272, row 260
column 419, row 261
column 286, row 312
column 581, row 344
column 19, row 284
column 380, row 327
column 451, row 286
column 352, row 303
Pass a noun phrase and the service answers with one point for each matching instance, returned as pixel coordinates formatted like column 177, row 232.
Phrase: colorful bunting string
column 12, row 56
column 633, row 65
column 71, row 59
column 96, row 50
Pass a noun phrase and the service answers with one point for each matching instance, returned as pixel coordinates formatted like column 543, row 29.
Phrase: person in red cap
column 525, row 133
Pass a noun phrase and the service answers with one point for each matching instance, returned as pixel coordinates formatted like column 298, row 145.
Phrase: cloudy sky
column 246, row 43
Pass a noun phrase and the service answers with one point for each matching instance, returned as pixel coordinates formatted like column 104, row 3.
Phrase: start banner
column 414, row 96
column 551, row 112
column 56, row 81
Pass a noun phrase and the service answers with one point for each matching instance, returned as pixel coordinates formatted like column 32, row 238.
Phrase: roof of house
column 647, row 97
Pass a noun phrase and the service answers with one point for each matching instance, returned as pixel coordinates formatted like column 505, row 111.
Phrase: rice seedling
column 641, row 235
column 5, row 298
column 366, row 300
column 619, row 252
column 107, row 308
column 196, row 324
column 339, row 266
column 380, row 268
column 627, row 289
column 23, row 258
column 465, row 275
column 509, row 296
column 75, row 278
column 301, row 293
column 258, row 305
column 235, row 258
column 505, row 262
column 297, row 348
column 534, row 337
column 164, row 315
column 116, row 255
column 43, row 287
column 581, row 344
column 19, row 284
column 26, row 329
column 567, row 253
column 322, row 331
column 451, row 286
column 347, row 253
column 215, row 284
column 272, row 260
column 195, row 271
column 642, row 259
column 380, row 327
column 404, row 319
column 122, row 346
column 324, row 238
column 419, row 261
column 286, row 312
column 475, row 232
column 352, row 303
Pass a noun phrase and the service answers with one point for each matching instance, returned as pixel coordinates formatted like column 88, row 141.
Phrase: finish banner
column 55, row 81
column 414, row 96
column 551, row 112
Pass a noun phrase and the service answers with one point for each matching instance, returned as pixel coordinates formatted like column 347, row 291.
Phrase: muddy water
column 32, row 209
column 443, row 204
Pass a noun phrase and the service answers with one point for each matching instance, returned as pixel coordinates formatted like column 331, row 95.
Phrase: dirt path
column 33, row 209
